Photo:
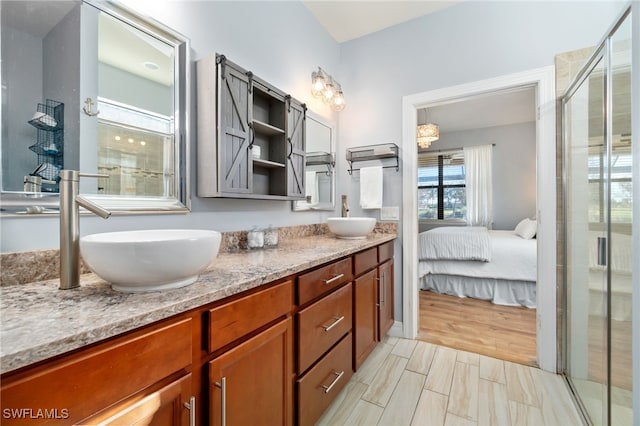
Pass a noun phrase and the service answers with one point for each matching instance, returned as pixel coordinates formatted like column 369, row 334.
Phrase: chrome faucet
column 345, row 206
column 70, row 223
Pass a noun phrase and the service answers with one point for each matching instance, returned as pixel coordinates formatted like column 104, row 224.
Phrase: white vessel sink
column 351, row 228
column 150, row 260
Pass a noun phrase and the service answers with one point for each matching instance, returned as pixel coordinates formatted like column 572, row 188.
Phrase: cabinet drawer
column 365, row 260
column 322, row 324
column 385, row 251
column 96, row 378
column 319, row 387
column 320, row 281
column 235, row 319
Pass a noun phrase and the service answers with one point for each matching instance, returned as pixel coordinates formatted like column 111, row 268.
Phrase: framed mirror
column 320, row 182
column 91, row 86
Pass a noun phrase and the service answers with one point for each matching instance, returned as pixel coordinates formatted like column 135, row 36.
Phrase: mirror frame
column 324, row 206
column 20, row 203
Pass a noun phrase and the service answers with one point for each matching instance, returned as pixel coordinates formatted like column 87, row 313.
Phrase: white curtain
column 479, row 187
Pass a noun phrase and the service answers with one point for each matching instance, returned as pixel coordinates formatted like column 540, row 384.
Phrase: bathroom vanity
column 268, row 336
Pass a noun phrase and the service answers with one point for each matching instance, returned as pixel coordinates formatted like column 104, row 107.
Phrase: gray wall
column 61, row 79
column 19, row 103
column 514, row 168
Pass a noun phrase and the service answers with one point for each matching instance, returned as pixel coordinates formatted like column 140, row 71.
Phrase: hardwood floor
column 503, row 332
column 411, row 382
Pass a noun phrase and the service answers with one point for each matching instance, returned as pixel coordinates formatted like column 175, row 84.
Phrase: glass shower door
column 620, row 242
column 586, row 204
column 598, row 238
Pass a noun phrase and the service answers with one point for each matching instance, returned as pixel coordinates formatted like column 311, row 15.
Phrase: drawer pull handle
column 191, row 406
column 339, row 375
column 333, row 324
column 223, row 400
column 335, row 278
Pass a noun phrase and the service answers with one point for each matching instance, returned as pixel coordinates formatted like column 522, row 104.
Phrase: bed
column 465, row 261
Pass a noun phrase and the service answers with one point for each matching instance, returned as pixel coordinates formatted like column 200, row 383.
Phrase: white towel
column 311, row 187
column 371, row 187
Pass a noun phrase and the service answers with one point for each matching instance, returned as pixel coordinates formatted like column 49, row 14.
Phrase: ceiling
column 501, row 108
column 347, row 20
column 35, row 17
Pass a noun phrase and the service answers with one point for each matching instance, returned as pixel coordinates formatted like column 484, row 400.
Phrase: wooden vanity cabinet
column 365, row 330
column 250, row 374
column 373, row 299
column 251, row 383
column 144, row 374
column 385, row 298
column 278, row 354
column 324, row 349
column 385, row 290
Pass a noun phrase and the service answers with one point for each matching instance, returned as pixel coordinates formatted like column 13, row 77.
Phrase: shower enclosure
column 596, row 111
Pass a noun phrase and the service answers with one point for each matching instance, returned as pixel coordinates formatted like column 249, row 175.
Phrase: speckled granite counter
column 38, row 321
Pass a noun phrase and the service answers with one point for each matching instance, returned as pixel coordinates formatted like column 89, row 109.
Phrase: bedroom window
column 441, row 186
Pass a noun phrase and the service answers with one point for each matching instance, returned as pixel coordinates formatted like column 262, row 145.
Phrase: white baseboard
column 396, row 330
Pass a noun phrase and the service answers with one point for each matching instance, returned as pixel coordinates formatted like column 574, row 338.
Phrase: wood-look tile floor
column 411, row 382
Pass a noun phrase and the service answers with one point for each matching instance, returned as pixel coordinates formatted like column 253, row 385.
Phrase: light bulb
column 317, row 84
column 328, row 92
column 338, row 102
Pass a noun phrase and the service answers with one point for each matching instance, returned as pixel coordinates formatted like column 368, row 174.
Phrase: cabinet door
column 365, row 327
column 171, row 405
column 234, row 171
column 87, row 382
column 385, row 298
column 296, row 116
column 251, row 384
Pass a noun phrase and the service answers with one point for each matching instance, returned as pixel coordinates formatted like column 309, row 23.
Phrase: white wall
column 131, row 89
column 464, row 43
column 280, row 42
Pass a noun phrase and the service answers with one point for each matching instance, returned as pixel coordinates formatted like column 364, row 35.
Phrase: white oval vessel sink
column 150, row 260
column 351, row 228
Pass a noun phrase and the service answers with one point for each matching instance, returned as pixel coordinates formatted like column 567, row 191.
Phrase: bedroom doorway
column 472, row 295
column 543, row 81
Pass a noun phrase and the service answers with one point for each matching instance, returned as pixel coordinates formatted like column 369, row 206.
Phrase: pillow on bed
column 526, row 229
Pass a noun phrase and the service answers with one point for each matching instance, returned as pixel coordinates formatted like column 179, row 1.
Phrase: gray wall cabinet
column 251, row 138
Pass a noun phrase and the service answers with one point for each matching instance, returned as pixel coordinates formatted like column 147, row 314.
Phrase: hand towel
column 311, row 187
column 371, row 187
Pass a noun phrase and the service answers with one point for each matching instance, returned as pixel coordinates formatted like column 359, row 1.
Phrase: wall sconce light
column 426, row 134
column 325, row 87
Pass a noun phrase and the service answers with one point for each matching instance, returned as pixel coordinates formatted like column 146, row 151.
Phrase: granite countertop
column 38, row 321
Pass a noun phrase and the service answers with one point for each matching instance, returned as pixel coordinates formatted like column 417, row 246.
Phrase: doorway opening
column 479, row 301
column 542, row 83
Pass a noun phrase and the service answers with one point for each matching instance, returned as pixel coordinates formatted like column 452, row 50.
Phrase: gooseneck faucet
column 70, row 225
column 345, row 206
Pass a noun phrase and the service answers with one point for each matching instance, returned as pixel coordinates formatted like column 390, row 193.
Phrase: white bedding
column 455, row 243
column 512, row 258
